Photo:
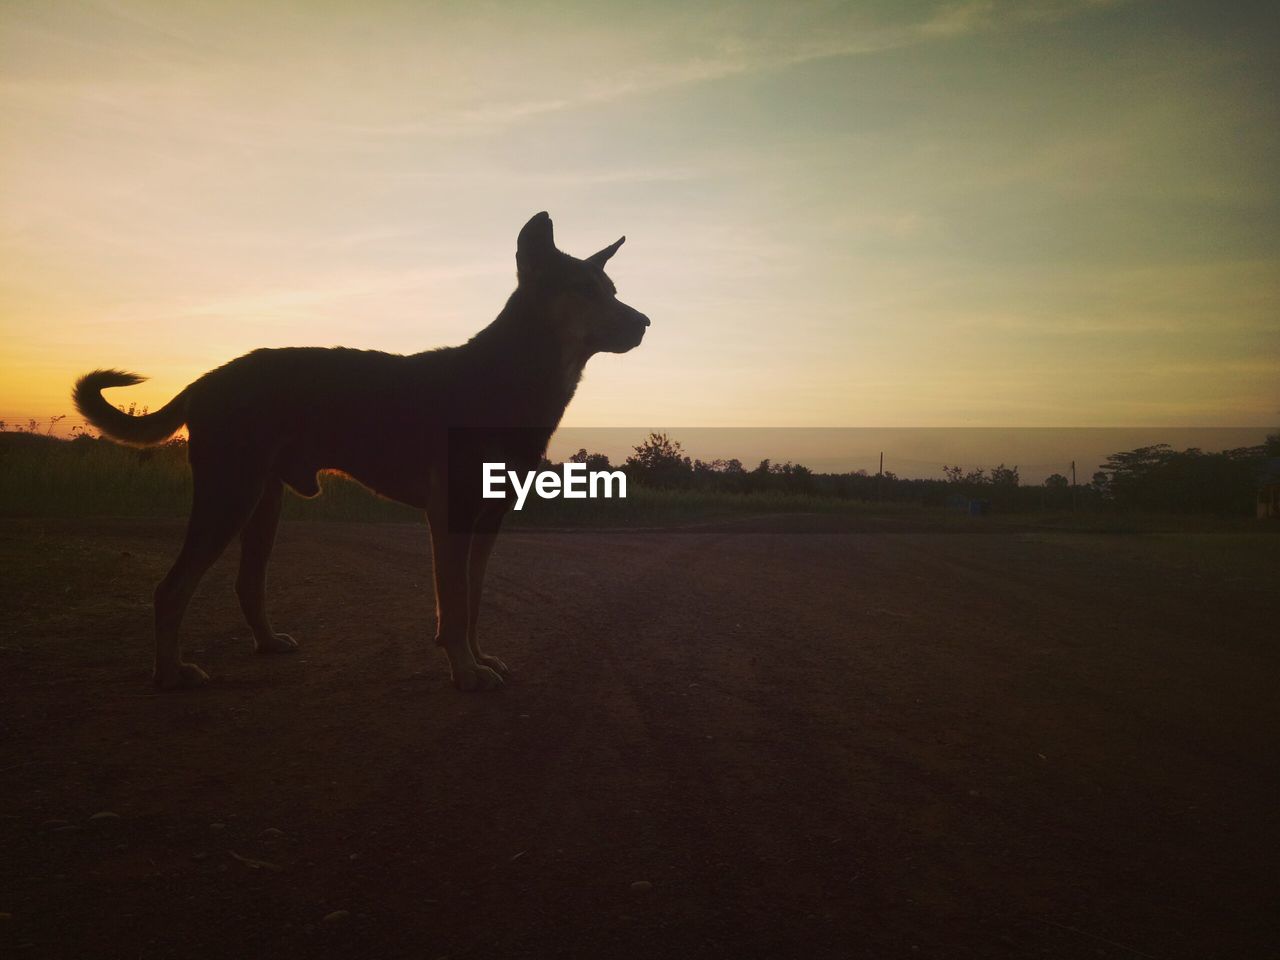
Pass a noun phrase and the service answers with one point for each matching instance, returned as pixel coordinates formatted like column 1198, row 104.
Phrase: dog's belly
column 408, row 490
column 304, row 480
column 393, row 475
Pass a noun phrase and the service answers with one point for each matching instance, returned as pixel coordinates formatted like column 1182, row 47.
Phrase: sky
column 888, row 214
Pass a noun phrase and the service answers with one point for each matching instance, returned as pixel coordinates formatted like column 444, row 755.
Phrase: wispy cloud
column 726, row 57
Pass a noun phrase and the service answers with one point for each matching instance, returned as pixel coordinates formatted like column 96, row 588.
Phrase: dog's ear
column 601, row 258
column 535, row 247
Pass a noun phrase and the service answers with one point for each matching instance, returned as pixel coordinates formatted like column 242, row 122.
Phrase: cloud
column 159, row 69
column 957, row 19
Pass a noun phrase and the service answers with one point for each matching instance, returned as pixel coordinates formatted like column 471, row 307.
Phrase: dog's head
column 575, row 296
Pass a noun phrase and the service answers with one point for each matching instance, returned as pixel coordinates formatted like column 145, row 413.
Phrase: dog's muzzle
column 635, row 325
column 643, row 325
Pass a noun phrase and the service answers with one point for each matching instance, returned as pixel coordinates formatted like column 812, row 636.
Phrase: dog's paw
column 494, row 664
column 476, row 677
column 276, row 643
column 183, row 676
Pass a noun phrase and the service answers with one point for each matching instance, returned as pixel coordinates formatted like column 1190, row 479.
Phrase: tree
column 1003, row 476
column 660, row 462
column 796, row 477
column 1192, row 481
column 1056, row 481
column 594, row 461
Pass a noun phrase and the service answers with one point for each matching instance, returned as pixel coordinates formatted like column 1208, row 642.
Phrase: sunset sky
column 867, row 214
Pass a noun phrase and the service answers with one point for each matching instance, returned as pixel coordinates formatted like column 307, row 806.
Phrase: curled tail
column 140, row 431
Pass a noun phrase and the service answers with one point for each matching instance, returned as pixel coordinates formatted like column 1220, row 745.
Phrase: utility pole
column 880, row 476
column 1073, row 486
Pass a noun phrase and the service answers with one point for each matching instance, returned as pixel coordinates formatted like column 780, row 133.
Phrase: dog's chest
column 572, row 364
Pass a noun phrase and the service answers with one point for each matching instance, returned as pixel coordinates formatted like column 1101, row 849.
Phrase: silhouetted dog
column 412, row 428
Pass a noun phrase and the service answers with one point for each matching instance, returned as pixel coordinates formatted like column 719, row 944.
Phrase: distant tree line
column 1155, row 478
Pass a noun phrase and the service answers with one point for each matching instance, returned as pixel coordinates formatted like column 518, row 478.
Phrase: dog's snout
column 643, row 319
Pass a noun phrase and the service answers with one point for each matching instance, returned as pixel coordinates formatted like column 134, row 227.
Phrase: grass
column 44, row 477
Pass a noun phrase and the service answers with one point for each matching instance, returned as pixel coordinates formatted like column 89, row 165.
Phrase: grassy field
column 43, row 477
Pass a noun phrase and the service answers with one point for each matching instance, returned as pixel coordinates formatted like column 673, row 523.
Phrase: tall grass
column 42, row 476
column 45, row 477
column 651, row 507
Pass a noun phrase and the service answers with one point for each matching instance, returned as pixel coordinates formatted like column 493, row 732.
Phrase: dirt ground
column 879, row 742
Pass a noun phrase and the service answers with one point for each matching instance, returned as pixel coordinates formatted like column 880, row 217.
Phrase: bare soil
column 878, row 742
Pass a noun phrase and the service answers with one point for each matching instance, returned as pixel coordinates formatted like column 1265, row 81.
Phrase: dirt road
column 870, row 743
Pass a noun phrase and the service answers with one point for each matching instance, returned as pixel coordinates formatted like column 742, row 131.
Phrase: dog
column 411, row 428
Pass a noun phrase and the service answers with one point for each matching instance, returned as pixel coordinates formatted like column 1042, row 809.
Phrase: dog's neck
column 519, row 350
column 573, row 360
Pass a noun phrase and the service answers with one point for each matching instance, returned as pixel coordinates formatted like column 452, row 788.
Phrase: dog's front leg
column 481, row 547
column 450, row 553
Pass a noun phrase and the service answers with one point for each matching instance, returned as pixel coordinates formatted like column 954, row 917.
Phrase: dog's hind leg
column 481, row 547
column 256, row 540
column 220, row 505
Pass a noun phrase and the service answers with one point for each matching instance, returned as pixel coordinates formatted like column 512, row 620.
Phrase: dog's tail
column 140, row 431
